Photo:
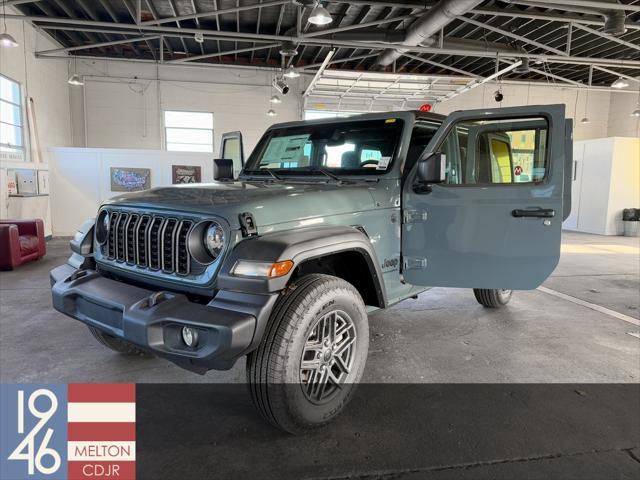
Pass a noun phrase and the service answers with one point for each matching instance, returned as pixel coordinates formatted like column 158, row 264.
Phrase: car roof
column 406, row 115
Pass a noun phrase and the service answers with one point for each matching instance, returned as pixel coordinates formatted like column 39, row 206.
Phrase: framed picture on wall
column 125, row 179
column 186, row 174
column 43, row 182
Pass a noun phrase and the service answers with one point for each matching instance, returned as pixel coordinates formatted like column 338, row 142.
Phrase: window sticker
column 383, row 163
column 285, row 149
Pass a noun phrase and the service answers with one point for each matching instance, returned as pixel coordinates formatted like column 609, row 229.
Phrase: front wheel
column 312, row 355
column 492, row 298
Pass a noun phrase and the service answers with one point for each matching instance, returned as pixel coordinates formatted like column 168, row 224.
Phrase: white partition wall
column 606, row 180
column 80, row 178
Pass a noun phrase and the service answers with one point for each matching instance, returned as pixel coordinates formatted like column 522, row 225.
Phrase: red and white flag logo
column 102, row 431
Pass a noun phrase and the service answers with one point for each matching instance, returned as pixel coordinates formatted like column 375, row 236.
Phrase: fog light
column 190, row 336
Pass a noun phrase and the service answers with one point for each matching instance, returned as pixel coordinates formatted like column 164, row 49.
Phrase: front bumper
column 226, row 326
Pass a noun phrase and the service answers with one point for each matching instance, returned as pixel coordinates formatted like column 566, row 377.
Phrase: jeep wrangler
column 280, row 259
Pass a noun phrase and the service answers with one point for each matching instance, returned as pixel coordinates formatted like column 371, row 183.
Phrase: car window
column 496, row 151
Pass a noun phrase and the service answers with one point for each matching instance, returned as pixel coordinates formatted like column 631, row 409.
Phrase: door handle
column 536, row 213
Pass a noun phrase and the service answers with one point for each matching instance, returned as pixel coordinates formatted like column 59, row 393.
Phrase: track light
column 320, row 15
column 291, row 72
column 271, row 112
column 275, row 99
column 7, row 41
column 280, row 85
column 620, row 83
column 75, row 80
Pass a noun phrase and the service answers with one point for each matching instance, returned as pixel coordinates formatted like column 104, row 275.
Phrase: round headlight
column 214, row 239
column 102, row 227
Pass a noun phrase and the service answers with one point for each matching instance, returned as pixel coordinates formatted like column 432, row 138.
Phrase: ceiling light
column 7, row 40
column 199, row 37
column 636, row 112
column 275, row 99
column 75, row 80
column 585, row 121
column 291, row 72
column 620, row 83
column 320, row 15
column 271, row 112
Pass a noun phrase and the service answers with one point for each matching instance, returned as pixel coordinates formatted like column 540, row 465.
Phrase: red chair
column 21, row 241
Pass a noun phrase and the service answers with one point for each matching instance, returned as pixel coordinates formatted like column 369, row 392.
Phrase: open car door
column 493, row 219
column 231, row 148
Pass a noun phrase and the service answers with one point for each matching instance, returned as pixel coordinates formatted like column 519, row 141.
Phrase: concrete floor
column 465, row 416
column 443, row 336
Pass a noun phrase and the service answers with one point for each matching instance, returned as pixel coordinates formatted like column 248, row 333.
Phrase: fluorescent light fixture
column 620, row 83
column 7, row 41
column 320, row 15
column 291, row 72
column 75, row 80
column 275, row 99
column 271, row 112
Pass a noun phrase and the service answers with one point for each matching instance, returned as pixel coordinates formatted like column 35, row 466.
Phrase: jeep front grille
column 149, row 241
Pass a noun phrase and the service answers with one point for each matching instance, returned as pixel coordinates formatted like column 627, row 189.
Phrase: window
column 11, row 123
column 188, row 131
column 496, row 151
column 348, row 147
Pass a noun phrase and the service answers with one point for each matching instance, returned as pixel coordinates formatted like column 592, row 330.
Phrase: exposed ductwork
column 428, row 25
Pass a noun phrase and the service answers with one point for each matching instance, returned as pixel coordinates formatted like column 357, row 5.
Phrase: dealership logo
column 60, row 432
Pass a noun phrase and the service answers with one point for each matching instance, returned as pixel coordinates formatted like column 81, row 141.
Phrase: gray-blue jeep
column 281, row 257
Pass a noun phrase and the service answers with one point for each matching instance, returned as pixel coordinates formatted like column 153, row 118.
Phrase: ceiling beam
column 511, row 35
column 618, row 74
column 441, row 65
column 215, row 13
column 99, row 45
column 582, row 4
column 220, row 54
column 488, row 53
column 608, row 37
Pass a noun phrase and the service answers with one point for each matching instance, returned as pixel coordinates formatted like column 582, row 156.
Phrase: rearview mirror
column 432, row 168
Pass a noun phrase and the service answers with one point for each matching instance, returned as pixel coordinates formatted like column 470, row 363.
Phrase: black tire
column 275, row 374
column 117, row 344
column 492, row 298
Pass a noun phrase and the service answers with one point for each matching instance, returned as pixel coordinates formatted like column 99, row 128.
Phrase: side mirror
column 432, row 168
column 223, row 170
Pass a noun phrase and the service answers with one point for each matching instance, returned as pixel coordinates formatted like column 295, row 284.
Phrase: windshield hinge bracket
column 414, row 263
column 414, row 216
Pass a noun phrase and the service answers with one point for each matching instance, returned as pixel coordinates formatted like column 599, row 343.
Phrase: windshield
column 350, row 147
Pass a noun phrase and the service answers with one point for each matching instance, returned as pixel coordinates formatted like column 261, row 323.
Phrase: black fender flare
column 298, row 245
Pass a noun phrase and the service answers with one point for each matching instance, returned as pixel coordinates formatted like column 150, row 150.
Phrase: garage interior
column 104, row 83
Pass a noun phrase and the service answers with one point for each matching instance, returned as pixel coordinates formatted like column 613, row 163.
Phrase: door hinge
column 413, row 216
column 414, row 263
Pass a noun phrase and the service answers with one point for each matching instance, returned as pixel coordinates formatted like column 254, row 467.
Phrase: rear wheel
column 117, row 344
column 312, row 355
column 492, row 298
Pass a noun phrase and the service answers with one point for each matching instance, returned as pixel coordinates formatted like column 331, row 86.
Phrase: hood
column 270, row 203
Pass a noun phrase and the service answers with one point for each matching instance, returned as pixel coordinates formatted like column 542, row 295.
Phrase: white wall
column 80, row 178
column 123, row 102
column 46, row 82
column 621, row 123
